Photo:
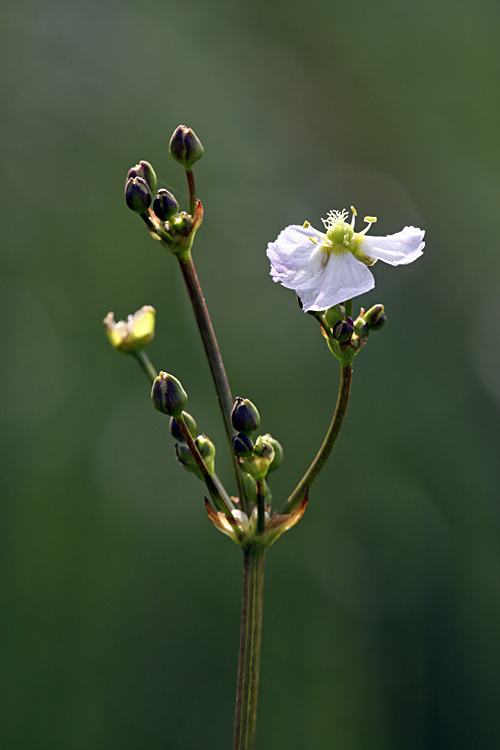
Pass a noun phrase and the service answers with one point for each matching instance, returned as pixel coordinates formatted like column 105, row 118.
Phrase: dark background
column 120, row 603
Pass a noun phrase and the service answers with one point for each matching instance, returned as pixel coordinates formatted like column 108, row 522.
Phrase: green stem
column 328, row 443
column 251, row 631
column 348, row 308
column 261, row 503
column 192, row 191
column 216, row 495
column 214, row 358
column 146, row 364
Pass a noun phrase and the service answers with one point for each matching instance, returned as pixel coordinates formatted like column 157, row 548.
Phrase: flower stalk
column 213, row 355
column 328, row 443
column 250, row 640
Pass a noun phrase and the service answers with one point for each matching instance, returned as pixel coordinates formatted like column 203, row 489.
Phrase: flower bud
column 131, row 335
column 175, row 430
column 278, row 452
column 258, row 464
column 337, row 312
column 242, row 445
column 146, row 172
column 165, row 205
column 375, row 317
column 207, row 451
column 342, row 331
column 138, row 195
column 185, row 147
column 244, row 416
column 361, row 328
column 168, row 395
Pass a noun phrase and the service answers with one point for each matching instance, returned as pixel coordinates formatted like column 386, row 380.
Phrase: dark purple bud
column 165, row 206
column 138, row 195
column 146, row 172
column 242, row 445
column 244, row 416
column 185, row 147
column 342, row 331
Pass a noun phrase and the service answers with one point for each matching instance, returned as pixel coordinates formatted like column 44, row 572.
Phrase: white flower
column 328, row 268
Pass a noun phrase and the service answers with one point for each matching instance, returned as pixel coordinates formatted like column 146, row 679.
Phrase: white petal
column 396, row 249
column 291, row 256
column 342, row 278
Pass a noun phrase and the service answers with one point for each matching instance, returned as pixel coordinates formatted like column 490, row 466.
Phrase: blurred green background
column 120, row 602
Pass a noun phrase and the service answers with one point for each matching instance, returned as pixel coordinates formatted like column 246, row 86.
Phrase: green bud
column 278, row 452
column 185, row 147
column 242, row 445
column 165, row 205
column 168, row 395
column 244, row 416
column 337, row 312
column 342, row 331
column 174, row 427
column 375, row 317
column 258, row 464
column 361, row 328
column 146, row 172
column 138, row 195
column 207, row 451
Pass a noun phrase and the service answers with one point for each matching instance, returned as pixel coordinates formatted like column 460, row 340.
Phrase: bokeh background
column 120, row 602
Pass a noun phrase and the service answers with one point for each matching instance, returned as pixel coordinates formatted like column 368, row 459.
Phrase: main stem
column 251, row 631
column 213, row 355
column 328, row 443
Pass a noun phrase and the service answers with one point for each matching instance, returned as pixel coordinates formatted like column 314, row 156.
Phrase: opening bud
column 174, row 427
column 244, row 416
column 278, row 452
column 168, row 395
column 185, row 147
column 165, row 205
column 375, row 317
column 146, row 172
column 138, row 195
column 131, row 335
column 342, row 330
column 242, row 445
column 337, row 312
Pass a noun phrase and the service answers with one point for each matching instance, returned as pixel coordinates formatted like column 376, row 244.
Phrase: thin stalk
column 192, row 191
column 213, row 356
column 146, row 364
column 251, row 631
column 261, row 503
column 328, row 443
column 216, row 495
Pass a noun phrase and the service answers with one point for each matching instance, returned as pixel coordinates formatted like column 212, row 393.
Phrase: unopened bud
column 242, row 445
column 258, row 464
column 361, row 328
column 342, row 331
column 337, row 312
column 278, row 452
column 185, row 147
column 165, row 205
column 244, row 416
column 146, row 172
column 168, row 395
column 375, row 317
column 175, row 430
column 138, row 195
